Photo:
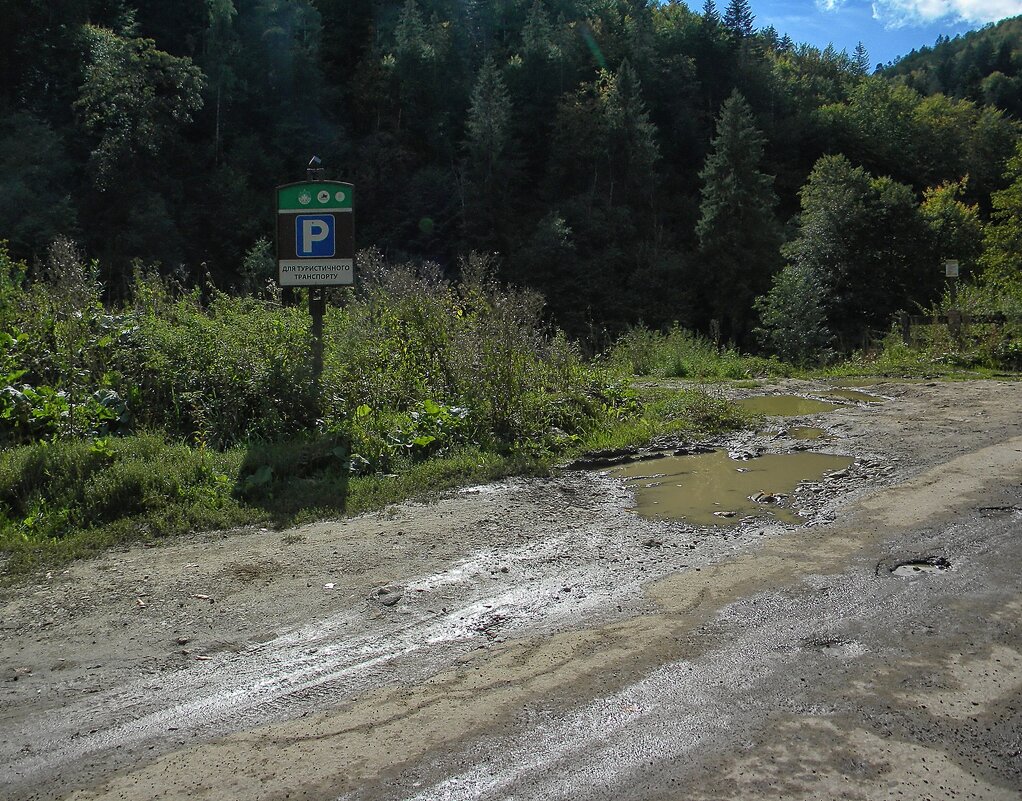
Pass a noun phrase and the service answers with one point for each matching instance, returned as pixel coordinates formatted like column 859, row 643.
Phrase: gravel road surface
column 536, row 639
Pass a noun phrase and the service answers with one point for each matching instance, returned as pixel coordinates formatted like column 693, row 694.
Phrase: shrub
column 52, row 489
column 218, row 373
column 416, row 365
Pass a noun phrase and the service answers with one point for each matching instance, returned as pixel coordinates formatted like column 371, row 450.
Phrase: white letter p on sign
column 313, row 231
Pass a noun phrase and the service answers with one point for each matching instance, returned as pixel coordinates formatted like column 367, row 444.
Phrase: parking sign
column 315, row 234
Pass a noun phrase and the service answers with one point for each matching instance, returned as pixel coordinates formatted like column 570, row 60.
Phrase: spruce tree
column 739, row 237
column 489, row 166
column 738, row 18
column 860, row 59
column 711, row 17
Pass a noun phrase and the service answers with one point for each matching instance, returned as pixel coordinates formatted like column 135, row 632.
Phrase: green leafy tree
column 134, row 99
column 891, row 129
column 737, row 229
column 865, row 240
column 956, row 229
column 876, row 126
column 1002, row 253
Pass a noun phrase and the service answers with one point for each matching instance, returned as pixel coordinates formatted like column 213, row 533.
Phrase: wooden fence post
column 954, row 323
column 906, row 327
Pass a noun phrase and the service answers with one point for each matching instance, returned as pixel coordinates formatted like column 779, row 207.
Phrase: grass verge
column 73, row 499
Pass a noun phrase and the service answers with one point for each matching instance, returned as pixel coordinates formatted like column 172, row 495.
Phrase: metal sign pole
column 954, row 315
column 317, row 309
column 317, row 301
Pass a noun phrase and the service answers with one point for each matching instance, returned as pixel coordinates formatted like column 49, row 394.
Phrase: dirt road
column 538, row 640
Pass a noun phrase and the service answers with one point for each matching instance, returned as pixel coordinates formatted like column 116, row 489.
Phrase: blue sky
column 888, row 28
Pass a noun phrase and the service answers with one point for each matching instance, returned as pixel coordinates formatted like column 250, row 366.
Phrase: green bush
column 50, row 490
column 218, row 373
column 417, row 365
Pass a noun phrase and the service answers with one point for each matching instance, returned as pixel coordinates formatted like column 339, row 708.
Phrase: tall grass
column 683, row 354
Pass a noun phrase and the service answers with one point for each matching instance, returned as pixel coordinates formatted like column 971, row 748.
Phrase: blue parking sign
column 314, row 236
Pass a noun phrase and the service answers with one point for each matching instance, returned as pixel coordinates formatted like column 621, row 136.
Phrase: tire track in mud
column 343, row 655
column 776, row 645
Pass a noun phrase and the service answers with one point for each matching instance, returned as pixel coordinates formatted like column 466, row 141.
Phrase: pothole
column 714, row 489
column 921, row 567
column 785, row 405
column 838, row 648
column 999, row 511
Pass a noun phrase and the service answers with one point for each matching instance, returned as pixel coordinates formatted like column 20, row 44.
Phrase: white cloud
column 901, row 13
column 830, row 5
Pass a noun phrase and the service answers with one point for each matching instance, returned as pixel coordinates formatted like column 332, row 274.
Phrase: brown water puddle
column 713, row 489
column 785, row 405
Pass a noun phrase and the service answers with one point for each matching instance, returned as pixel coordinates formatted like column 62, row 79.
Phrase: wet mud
column 806, row 432
column 855, row 396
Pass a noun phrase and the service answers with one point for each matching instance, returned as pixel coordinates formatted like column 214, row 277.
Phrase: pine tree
column 738, row 18
column 537, row 77
column 711, row 17
column 738, row 233
column 631, row 136
column 538, row 35
column 489, row 163
column 860, row 59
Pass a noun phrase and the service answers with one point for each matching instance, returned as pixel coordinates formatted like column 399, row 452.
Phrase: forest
column 552, row 197
column 633, row 161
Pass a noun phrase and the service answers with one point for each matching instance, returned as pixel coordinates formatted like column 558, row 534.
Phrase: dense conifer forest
column 631, row 160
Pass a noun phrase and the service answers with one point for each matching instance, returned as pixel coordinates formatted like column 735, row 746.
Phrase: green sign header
column 315, row 196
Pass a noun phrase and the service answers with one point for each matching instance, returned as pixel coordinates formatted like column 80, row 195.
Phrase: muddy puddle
column 921, row 567
column 785, row 405
column 713, row 489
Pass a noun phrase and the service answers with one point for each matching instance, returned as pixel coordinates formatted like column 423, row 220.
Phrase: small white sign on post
column 951, row 268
